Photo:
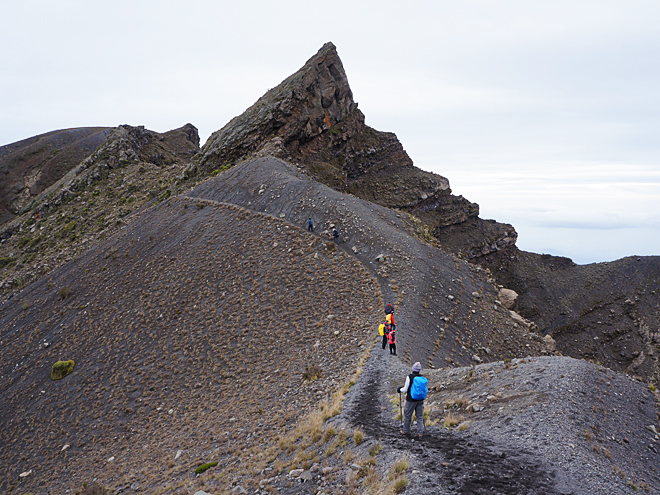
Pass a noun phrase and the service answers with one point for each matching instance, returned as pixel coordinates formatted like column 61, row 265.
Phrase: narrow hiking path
column 447, row 462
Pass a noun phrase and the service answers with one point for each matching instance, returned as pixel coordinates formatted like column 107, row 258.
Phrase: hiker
column 310, row 225
column 335, row 235
column 416, row 388
column 389, row 309
column 391, row 338
column 382, row 330
column 389, row 319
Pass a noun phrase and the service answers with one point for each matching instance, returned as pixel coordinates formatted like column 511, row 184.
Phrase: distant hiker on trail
column 383, row 331
column 310, row 225
column 391, row 338
column 389, row 309
column 416, row 388
column 335, row 235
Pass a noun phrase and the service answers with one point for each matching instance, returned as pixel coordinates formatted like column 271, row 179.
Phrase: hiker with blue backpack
column 416, row 389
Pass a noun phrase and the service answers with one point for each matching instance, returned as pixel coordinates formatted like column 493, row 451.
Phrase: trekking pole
column 400, row 410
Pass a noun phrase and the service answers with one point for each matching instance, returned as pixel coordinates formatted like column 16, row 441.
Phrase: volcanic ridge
column 215, row 345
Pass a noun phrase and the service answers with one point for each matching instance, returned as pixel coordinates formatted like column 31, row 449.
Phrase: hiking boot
column 404, row 433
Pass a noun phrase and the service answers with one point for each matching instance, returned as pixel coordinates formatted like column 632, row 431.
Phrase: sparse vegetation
column 375, row 449
column 358, row 437
column 65, row 292
column 312, row 372
column 452, row 420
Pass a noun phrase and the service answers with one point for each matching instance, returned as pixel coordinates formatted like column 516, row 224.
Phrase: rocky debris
column 238, row 490
column 25, row 474
column 520, row 320
column 507, row 297
column 550, row 343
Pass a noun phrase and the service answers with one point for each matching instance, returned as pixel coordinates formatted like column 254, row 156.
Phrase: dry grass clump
column 463, row 426
column 329, row 434
column 375, row 449
column 452, row 420
column 358, row 437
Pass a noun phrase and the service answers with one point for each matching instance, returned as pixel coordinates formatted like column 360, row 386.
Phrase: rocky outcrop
column 30, row 166
column 131, row 168
column 311, row 120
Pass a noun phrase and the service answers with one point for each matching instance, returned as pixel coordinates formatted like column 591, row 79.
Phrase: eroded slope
column 190, row 330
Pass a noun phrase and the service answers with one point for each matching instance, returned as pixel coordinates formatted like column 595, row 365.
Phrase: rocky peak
column 312, row 121
column 303, row 106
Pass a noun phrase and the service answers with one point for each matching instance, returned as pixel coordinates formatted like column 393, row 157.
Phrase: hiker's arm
column 404, row 389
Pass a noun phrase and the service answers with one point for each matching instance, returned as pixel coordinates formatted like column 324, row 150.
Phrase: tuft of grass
column 61, row 369
column 464, row 426
column 400, row 485
column 652, row 387
column 205, row 466
column 329, row 434
column 399, row 468
column 375, row 449
column 452, row 420
column 358, row 437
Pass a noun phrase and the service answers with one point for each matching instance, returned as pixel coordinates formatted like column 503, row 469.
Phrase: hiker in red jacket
column 391, row 338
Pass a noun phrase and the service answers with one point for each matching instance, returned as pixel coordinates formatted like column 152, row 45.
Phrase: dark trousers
column 384, row 341
column 310, row 228
column 393, row 349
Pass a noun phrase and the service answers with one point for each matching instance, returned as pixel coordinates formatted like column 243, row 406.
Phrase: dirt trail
column 447, row 463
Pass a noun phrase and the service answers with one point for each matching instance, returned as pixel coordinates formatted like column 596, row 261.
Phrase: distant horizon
column 546, row 115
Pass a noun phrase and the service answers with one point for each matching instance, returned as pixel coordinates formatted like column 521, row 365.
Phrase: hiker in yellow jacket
column 383, row 331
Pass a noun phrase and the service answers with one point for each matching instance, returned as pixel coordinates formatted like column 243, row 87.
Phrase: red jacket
column 391, row 338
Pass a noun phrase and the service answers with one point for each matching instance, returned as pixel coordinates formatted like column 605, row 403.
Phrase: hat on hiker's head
column 417, row 367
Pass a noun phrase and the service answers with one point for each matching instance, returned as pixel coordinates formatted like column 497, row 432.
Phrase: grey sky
column 547, row 114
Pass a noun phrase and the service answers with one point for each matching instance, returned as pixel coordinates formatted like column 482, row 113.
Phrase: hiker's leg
column 419, row 412
column 407, row 415
column 394, row 347
column 384, row 342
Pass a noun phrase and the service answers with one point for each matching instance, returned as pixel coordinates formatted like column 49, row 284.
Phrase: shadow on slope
column 190, row 330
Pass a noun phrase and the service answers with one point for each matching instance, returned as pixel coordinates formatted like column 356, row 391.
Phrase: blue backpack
column 419, row 388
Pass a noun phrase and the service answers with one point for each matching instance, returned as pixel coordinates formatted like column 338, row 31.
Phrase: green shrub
column 204, row 467
column 68, row 227
column 164, row 195
column 61, row 369
column 214, row 173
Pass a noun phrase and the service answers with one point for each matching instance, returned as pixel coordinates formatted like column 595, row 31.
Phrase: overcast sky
column 547, row 114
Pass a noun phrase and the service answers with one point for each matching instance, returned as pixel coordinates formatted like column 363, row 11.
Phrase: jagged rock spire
column 304, row 105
